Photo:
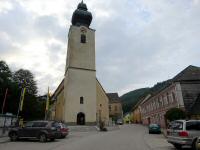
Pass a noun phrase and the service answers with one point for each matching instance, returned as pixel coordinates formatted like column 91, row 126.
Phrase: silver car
column 183, row 133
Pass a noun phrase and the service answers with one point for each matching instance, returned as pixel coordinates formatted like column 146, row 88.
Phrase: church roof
column 113, row 97
column 81, row 16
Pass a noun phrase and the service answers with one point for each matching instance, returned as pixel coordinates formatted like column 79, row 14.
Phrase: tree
column 33, row 107
column 175, row 114
column 24, row 78
column 4, row 70
column 6, row 82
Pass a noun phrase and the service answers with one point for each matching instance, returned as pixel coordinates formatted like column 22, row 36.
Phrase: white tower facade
column 80, row 73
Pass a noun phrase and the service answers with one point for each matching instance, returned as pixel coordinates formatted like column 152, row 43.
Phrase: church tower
column 80, row 74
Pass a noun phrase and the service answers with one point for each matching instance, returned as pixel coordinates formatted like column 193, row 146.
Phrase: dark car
column 63, row 129
column 154, row 128
column 42, row 130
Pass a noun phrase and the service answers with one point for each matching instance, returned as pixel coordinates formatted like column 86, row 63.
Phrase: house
column 115, row 106
column 136, row 110
column 183, row 92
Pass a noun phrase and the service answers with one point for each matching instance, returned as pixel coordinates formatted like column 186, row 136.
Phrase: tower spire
column 81, row 15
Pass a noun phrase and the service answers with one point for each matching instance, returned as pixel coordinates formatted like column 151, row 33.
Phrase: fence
column 6, row 121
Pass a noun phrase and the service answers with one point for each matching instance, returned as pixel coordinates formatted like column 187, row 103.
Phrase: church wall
column 80, row 83
column 59, row 108
column 102, row 105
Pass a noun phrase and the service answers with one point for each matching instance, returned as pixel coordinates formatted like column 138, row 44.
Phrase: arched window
column 83, row 38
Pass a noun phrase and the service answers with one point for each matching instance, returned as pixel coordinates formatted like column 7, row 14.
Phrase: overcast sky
column 138, row 42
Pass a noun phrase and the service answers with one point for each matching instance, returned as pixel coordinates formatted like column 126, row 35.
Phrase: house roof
column 113, row 97
column 191, row 73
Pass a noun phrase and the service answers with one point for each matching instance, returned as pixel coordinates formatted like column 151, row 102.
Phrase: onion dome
column 81, row 16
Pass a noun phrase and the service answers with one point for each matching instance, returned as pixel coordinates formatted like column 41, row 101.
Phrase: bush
column 175, row 114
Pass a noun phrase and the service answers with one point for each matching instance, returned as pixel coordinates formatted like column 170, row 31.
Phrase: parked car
column 184, row 133
column 63, row 129
column 42, row 130
column 154, row 128
column 119, row 122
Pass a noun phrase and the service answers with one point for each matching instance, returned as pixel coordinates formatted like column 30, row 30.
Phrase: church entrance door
column 80, row 118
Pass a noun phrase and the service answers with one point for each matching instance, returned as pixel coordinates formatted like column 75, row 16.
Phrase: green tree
column 175, row 114
column 6, row 82
column 24, row 78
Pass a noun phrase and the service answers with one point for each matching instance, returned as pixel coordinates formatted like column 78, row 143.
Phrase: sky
column 138, row 42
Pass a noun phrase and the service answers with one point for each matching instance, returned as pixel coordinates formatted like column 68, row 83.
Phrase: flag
column 47, row 102
column 22, row 98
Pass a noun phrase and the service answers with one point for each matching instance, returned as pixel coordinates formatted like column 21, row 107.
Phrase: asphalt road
column 128, row 137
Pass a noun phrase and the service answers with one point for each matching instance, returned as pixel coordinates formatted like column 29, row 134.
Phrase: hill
column 131, row 98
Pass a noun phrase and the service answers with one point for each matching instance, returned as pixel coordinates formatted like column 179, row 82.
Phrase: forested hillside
column 131, row 98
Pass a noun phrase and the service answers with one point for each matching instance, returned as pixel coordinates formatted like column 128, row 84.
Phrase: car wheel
column 52, row 139
column 13, row 136
column 42, row 137
column 177, row 146
column 64, row 136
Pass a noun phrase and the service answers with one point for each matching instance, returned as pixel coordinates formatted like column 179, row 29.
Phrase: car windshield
column 177, row 125
column 154, row 125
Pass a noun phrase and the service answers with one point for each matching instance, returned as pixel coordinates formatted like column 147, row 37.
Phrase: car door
column 24, row 131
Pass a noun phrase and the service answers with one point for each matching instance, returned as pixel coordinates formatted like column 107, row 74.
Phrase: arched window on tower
column 83, row 38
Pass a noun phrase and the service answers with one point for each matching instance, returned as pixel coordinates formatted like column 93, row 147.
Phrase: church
column 80, row 99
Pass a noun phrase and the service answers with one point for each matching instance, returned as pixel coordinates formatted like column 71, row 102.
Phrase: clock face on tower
column 83, row 29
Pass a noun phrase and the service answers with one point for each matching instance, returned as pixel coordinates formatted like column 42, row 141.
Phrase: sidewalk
column 164, row 131
column 4, row 139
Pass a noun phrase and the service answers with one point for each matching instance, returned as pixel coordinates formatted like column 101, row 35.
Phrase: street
column 128, row 137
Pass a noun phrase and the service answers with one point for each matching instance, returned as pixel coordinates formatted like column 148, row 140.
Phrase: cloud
column 138, row 43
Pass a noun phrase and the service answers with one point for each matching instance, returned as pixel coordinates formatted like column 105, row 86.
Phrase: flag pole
column 47, row 105
column 19, row 103
column 4, row 100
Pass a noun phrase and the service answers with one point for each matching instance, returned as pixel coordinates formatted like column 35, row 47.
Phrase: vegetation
column 175, row 114
column 33, row 107
column 130, row 99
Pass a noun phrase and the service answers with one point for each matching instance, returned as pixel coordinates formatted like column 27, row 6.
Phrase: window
column 115, row 108
column 176, row 125
column 83, row 38
column 81, row 100
column 110, row 107
column 193, row 125
column 29, row 124
column 168, row 98
column 173, row 97
column 39, row 124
